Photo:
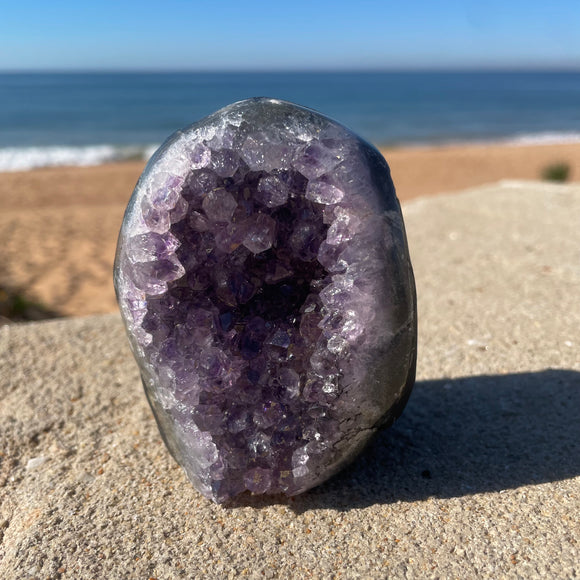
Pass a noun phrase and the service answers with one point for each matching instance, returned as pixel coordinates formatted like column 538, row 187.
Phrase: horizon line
column 297, row 70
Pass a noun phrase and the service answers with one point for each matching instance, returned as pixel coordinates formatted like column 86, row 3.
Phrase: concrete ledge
column 479, row 478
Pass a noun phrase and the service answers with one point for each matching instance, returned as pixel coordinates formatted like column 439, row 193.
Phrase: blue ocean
column 82, row 119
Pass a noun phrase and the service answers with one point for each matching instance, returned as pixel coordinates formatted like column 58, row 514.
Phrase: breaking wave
column 25, row 158
column 547, row 138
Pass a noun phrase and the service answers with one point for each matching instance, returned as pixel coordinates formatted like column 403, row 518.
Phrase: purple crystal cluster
column 263, row 276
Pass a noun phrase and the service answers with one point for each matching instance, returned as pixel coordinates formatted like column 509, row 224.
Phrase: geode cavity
column 264, row 279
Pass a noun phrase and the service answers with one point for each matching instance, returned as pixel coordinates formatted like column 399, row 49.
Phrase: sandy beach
column 59, row 226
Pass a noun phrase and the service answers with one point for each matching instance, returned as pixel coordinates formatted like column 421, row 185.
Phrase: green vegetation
column 556, row 172
column 16, row 307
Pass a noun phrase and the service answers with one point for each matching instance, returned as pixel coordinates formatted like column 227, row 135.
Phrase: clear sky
column 295, row 34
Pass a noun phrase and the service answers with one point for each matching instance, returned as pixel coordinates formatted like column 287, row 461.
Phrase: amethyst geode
column 264, row 279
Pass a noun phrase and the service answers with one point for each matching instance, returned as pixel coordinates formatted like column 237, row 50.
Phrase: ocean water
column 83, row 119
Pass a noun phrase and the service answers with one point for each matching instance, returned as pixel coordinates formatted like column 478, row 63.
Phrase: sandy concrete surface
column 480, row 477
column 59, row 226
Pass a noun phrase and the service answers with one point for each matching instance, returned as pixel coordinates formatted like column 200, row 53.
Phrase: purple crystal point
column 264, row 279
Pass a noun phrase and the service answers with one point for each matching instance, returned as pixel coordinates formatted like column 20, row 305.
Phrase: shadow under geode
column 461, row 437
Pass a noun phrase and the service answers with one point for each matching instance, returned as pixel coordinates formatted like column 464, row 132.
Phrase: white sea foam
column 548, row 138
column 24, row 158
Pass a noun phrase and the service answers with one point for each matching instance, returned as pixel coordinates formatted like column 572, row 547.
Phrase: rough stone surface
column 265, row 282
column 479, row 478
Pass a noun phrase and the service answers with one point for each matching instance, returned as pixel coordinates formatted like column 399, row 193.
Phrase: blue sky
column 296, row 34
